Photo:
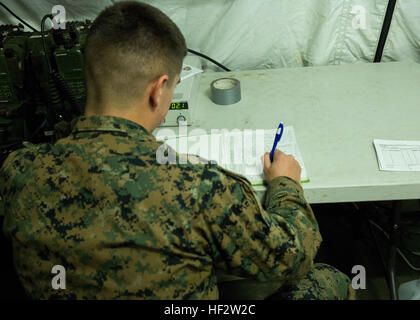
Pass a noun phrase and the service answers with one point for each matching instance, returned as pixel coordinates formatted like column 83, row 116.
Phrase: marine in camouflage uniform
column 126, row 227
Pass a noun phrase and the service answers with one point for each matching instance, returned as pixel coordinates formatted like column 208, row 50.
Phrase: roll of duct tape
column 225, row 91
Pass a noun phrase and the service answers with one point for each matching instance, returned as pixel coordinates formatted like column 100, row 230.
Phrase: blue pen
column 279, row 133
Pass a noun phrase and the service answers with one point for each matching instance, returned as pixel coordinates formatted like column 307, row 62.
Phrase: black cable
column 65, row 91
column 59, row 82
column 210, row 59
column 385, row 29
column 21, row 20
column 44, row 45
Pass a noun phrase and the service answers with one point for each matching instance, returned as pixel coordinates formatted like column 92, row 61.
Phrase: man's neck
column 130, row 114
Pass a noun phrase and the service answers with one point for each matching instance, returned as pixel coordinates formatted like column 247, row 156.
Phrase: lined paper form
column 397, row 155
column 287, row 144
column 239, row 151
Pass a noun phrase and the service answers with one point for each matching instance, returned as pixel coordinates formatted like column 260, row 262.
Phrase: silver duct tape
column 225, row 91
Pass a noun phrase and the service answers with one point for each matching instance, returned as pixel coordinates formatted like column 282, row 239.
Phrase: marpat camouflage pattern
column 126, row 227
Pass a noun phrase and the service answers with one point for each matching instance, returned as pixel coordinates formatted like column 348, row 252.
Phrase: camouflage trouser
column 323, row 282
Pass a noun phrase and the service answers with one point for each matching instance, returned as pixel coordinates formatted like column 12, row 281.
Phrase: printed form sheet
column 396, row 155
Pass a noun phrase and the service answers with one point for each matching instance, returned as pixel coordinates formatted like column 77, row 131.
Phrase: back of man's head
column 129, row 45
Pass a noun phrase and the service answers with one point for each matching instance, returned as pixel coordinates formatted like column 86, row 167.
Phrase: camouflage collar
column 110, row 123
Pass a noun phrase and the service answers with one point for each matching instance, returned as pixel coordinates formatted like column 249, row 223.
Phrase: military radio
column 13, row 97
column 42, row 85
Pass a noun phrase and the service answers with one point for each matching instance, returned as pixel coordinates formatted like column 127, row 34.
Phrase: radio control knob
column 180, row 118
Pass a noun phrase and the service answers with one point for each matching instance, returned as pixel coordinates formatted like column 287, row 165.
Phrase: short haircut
column 129, row 45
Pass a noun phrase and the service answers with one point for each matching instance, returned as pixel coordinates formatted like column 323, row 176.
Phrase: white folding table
column 336, row 112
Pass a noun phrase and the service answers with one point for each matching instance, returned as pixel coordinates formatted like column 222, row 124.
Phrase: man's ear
column 156, row 90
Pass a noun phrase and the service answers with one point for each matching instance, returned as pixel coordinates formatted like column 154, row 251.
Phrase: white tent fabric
column 250, row 34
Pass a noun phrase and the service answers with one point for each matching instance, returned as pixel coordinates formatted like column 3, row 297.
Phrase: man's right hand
column 282, row 165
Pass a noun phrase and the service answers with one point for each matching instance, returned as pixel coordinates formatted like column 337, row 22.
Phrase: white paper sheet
column 239, row 151
column 397, row 155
